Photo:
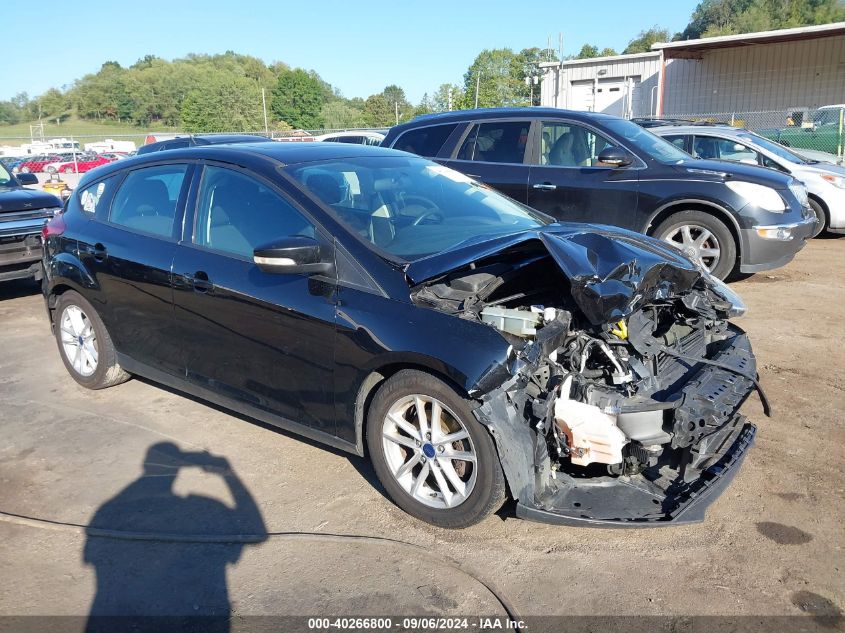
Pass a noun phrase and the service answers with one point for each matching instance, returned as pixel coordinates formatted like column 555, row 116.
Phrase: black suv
column 193, row 141
column 22, row 216
column 588, row 167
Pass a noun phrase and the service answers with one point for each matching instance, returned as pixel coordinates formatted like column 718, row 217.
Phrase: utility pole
column 449, row 98
column 477, row 86
column 264, row 107
column 396, row 105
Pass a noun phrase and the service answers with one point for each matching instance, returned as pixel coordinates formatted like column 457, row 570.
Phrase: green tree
column 54, row 104
column 642, row 43
column 396, row 98
column 440, row 98
column 378, row 111
column 340, row 114
column 727, row 17
column 498, row 75
column 588, row 51
column 223, row 105
column 298, row 99
column 608, row 52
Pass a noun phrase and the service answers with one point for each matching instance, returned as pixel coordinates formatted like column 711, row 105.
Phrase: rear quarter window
column 424, row 141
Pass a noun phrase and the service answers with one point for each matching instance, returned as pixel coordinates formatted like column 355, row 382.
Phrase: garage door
column 610, row 95
column 582, row 95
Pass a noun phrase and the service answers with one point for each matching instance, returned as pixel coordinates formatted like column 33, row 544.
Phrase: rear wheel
column 436, row 461
column 821, row 216
column 84, row 344
column 703, row 238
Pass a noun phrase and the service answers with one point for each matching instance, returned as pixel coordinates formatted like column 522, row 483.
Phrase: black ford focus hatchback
column 391, row 307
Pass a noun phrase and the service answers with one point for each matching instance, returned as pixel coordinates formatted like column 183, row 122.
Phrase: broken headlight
column 736, row 305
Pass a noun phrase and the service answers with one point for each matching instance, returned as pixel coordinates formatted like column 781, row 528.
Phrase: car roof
column 284, row 153
column 458, row 116
column 215, row 139
column 728, row 130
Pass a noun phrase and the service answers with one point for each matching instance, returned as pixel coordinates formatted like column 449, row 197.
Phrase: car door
column 265, row 339
column 128, row 248
column 494, row 152
column 569, row 183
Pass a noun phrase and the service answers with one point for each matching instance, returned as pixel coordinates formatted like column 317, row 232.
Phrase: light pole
column 477, row 86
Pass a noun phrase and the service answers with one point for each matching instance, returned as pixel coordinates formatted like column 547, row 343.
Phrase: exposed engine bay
column 629, row 394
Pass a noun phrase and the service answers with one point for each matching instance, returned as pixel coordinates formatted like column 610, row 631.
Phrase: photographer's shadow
column 150, row 568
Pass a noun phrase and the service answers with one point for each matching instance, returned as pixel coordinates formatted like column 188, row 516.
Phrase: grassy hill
column 87, row 131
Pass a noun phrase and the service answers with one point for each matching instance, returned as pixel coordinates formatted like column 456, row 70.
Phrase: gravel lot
column 771, row 546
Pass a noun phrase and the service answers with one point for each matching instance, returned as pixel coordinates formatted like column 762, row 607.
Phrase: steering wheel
column 431, row 209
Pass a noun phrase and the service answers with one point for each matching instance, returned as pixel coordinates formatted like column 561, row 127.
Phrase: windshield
column 5, row 178
column 774, row 148
column 658, row 148
column 410, row 207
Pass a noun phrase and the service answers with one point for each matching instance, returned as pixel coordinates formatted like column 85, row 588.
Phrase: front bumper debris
column 622, row 502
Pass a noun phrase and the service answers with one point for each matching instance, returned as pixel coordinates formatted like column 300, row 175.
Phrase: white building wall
column 583, row 84
column 760, row 77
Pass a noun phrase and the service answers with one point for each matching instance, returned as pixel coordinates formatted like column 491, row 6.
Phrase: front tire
column 84, row 344
column 703, row 238
column 821, row 216
column 434, row 459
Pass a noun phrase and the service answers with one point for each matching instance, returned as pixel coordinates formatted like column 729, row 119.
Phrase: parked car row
column 825, row 182
column 588, row 167
column 65, row 163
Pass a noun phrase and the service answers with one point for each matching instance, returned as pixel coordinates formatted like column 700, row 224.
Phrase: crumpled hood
column 612, row 271
column 26, row 200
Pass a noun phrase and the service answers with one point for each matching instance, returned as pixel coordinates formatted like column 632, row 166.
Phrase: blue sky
column 359, row 47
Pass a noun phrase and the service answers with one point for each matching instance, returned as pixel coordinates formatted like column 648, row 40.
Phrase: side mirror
column 295, row 255
column 615, row 157
column 27, row 179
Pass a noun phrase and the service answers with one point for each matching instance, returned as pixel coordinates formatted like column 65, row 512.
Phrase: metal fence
column 814, row 130
column 64, row 143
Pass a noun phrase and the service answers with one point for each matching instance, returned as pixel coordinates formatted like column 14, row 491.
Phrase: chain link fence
column 807, row 129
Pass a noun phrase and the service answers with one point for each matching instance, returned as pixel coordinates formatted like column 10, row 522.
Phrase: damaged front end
column 619, row 403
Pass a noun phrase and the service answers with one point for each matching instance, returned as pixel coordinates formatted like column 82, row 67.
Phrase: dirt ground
column 772, row 545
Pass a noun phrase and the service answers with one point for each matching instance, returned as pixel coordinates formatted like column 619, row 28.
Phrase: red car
column 82, row 164
column 38, row 163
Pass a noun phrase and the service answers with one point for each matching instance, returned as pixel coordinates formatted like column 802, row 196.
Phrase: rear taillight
column 56, row 226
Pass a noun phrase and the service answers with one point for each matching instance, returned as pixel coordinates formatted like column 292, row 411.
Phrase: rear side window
column 147, row 199
column 424, row 141
column 499, row 142
column 94, row 199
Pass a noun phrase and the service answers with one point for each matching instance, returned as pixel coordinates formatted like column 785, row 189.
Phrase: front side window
column 678, row 141
column 147, row 199
column 408, row 207
column 237, row 214
column 658, row 148
column 497, row 142
column 571, row 145
column 424, row 141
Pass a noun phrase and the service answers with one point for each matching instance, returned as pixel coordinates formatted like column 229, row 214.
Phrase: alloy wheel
column 429, row 451
column 79, row 341
column 698, row 243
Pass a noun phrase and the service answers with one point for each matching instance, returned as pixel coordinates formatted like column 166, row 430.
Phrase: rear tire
column 817, row 208
column 685, row 229
column 84, row 344
column 415, row 460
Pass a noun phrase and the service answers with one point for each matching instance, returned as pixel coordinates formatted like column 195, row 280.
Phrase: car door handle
column 97, row 251
column 199, row 281
column 545, row 186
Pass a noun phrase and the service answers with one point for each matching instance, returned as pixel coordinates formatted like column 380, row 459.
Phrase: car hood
column 724, row 170
column 19, row 199
column 612, row 272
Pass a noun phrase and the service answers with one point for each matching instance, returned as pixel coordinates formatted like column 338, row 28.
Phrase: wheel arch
column 823, row 205
column 695, row 204
column 371, row 383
